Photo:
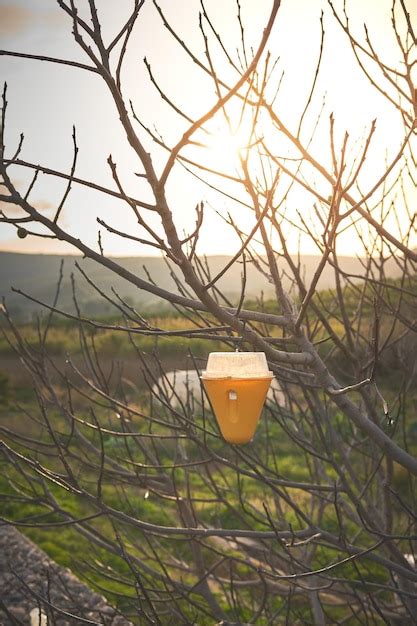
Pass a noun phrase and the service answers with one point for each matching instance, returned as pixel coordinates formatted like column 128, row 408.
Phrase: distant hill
column 37, row 274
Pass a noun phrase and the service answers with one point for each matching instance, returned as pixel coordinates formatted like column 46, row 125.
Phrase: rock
column 175, row 387
column 38, row 617
column 27, row 572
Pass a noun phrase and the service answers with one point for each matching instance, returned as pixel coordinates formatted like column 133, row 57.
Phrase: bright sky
column 45, row 100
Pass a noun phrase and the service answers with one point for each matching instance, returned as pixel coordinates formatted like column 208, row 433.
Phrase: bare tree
column 243, row 540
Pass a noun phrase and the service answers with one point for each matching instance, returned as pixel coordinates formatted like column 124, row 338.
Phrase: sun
column 225, row 144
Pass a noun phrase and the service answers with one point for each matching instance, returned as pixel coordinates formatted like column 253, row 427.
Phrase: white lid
column 237, row 365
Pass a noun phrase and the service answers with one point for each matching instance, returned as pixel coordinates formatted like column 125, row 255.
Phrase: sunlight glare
column 225, row 146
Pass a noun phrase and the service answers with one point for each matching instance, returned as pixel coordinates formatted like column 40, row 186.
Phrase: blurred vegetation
column 68, row 548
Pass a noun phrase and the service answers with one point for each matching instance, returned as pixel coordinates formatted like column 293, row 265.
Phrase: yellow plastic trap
column 236, row 384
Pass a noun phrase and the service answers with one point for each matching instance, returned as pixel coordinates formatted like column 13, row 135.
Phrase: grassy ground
column 66, row 546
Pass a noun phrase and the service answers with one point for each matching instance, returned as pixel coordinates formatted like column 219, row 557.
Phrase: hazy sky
column 45, row 100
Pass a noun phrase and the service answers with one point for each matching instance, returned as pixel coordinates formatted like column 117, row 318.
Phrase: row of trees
column 207, row 531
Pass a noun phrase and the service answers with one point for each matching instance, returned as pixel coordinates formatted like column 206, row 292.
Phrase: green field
column 238, row 501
